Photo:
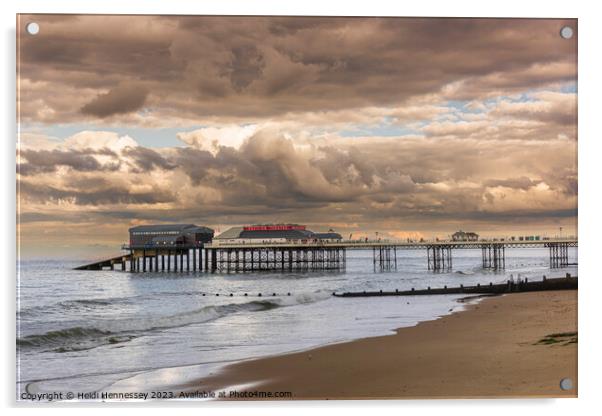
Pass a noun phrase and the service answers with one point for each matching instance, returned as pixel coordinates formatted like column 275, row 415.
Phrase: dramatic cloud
column 367, row 178
column 120, row 100
column 145, row 160
column 409, row 127
column 234, row 68
column 46, row 161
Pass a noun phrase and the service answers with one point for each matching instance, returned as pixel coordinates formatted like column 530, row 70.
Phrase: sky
column 409, row 127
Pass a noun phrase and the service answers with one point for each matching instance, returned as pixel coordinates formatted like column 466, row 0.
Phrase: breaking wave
column 117, row 331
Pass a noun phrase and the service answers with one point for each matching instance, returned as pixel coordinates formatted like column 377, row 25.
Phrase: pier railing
column 572, row 242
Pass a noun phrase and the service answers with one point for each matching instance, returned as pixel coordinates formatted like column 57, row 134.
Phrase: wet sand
column 500, row 347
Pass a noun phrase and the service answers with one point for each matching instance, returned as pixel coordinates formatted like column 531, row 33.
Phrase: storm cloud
column 241, row 67
column 47, row 161
column 120, row 100
column 407, row 126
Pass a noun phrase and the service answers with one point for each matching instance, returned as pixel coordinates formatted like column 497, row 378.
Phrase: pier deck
column 304, row 255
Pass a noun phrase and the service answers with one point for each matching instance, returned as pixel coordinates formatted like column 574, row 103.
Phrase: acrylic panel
column 294, row 208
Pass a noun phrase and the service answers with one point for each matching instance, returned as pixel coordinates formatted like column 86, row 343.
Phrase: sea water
column 85, row 331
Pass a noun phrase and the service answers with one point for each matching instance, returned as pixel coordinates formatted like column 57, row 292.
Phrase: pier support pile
column 384, row 258
column 160, row 260
column 279, row 259
column 439, row 257
column 559, row 255
column 494, row 256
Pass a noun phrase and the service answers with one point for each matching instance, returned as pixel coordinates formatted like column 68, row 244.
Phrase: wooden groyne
column 563, row 283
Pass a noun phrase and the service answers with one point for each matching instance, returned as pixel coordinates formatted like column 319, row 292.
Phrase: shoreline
column 497, row 347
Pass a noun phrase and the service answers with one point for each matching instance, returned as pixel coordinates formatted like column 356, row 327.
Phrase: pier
column 312, row 256
column 292, row 247
column 384, row 253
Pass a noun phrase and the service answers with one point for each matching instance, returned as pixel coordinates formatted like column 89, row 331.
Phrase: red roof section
column 274, row 227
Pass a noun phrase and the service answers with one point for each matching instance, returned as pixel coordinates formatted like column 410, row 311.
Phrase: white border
column 589, row 172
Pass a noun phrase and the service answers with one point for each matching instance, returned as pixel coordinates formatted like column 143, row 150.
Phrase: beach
column 515, row 345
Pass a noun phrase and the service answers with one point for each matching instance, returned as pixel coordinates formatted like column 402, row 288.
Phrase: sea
column 113, row 331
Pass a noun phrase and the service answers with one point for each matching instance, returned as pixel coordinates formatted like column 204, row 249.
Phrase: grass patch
column 564, row 338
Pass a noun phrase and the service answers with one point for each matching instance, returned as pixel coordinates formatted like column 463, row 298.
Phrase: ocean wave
column 57, row 338
column 83, row 305
column 123, row 330
column 86, row 305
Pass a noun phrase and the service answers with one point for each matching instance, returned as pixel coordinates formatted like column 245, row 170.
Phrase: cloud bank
column 411, row 127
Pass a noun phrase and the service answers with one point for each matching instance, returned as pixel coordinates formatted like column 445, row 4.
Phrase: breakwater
column 564, row 283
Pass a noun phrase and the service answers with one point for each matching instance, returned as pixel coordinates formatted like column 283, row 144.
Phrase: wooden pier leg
column 213, row 259
column 194, row 259
column 168, row 260
column 483, row 256
column 374, row 258
column 162, row 262
column 156, row 261
column 143, row 260
column 281, row 259
column 306, row 259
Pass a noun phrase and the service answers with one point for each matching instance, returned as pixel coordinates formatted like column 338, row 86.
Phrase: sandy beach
column 517, row 345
